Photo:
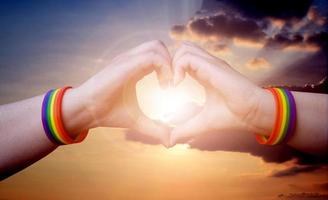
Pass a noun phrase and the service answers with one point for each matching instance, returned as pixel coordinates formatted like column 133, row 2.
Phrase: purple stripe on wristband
column 292, row 117
column 44, row 117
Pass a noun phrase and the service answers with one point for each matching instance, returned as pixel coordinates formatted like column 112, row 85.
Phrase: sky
column 48, row 44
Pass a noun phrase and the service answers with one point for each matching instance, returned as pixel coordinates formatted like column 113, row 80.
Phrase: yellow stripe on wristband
column 284, row 115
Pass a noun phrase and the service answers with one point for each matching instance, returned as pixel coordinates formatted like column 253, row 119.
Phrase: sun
column 164, row 104
column 170, row 101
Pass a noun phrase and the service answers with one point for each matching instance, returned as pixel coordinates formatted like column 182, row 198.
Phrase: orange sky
column 106, row 166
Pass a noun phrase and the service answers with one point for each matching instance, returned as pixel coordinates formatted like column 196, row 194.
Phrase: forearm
column 22, row 137
column 311, row 132
column 23, row 140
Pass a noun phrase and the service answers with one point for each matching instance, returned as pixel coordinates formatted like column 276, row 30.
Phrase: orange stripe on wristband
column 63, row 133
column 285, row 119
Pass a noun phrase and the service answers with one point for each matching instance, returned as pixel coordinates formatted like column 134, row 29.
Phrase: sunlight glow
column 164, row 105
column 170, row 101
column 179, row 149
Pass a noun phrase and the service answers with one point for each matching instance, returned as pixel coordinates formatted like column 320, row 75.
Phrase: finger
column 149, row 127
column 198, row 67
column 179, row 74
column 154, row 45
column 190, row 47
column 164, row 73
column 205, row 54
column 145, row 63
column 193, row 127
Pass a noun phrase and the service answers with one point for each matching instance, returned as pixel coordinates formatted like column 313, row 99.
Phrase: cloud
column 290, row 35
column 322, row 185
column 258, row 9
column 295, row 161
column 320, row 87
column 225, row 25
column 226, row 141
column 179, row 32
column 294, row 170
column 220, row 26
column 296, row 26
column 248, row 43
column 314, row 16
column 217, row 49
column 258, row 64
column 303, row 196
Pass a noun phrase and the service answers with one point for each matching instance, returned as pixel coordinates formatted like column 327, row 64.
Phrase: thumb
column 193, row 127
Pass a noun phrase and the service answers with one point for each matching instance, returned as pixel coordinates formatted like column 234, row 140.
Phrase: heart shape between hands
column 113, row 100
column 168, row 107
column 173, row 105
column 231, row 99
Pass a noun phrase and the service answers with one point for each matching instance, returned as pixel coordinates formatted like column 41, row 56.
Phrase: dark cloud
column 299, row 22
column 303, row 196
column 302, row 163
column 310, row 69
column 282, row 40
column 320, row 87
column 258, row 8
column 178, row 29
column 297, row 28
column 226, row 141
column 288, row 38
column 294, row 170
column 223, row 25
column 320, row 39
column 323, row 185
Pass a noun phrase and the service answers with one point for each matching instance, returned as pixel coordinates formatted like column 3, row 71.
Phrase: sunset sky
column 48, row 44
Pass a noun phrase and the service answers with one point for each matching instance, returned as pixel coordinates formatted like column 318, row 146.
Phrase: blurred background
column 48, row 44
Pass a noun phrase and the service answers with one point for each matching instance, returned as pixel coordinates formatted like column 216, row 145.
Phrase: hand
column 110, row 95
column 231, row 99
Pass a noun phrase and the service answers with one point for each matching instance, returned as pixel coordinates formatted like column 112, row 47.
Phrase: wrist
column 263, row 119
column 75, row 115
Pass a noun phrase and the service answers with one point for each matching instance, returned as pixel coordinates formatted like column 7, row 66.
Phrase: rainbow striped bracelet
column 52, row 118
column 285, row 121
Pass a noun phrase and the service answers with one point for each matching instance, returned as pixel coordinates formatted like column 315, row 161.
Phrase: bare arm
column 311, row 132
column 108, row 99
column 23, row 140
column 235, row 103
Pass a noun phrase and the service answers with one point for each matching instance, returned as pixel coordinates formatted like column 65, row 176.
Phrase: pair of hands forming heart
column 110, row 96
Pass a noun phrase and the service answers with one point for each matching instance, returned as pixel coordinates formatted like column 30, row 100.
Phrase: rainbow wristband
column 52, row 118
column 285, row 121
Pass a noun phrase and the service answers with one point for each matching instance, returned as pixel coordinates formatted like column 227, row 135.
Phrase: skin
column 109, row 99
column 235, row 103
